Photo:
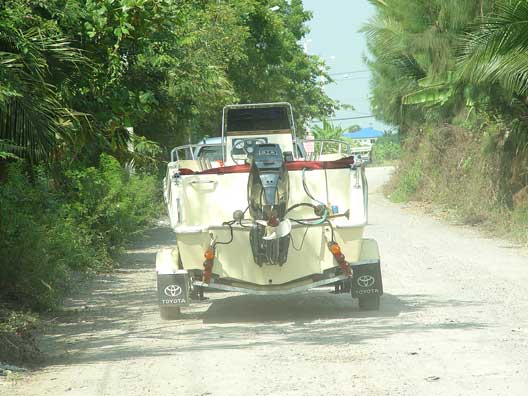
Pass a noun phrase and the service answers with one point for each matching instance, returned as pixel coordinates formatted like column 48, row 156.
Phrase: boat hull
column 367, row 263
column 235, row 261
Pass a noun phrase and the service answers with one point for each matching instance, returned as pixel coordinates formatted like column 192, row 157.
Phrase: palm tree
column 328, row 130
column 496, row 56
column 497, row 52
column 413, row 58
column 33, row 117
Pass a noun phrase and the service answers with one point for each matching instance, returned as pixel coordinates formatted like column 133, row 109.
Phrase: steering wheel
column 239, row 145
column 248, row 146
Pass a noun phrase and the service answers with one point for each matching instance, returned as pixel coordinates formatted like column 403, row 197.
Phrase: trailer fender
column 167, row 261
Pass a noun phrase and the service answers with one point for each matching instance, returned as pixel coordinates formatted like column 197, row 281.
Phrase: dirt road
column 454, row 321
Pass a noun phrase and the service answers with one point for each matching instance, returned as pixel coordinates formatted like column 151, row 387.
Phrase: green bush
column 410, row 179
column 47, row 236
column 111, row 204
column 38, row 243
column 386, row 148
column 519, row 228
column 17, row 336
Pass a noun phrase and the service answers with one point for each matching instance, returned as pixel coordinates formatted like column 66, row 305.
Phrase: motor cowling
column 268, row 184
column 268, row 193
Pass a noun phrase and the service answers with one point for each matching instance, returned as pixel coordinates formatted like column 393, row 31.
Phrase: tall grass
column 466, row 171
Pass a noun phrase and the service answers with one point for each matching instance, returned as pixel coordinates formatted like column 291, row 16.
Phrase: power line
column 349, row 72
column 360, row 112
column 350, row 118
column 352, row 79
column 345, row 119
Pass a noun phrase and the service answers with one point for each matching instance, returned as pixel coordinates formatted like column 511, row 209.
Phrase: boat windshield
column 211, row 153
column 258, row 119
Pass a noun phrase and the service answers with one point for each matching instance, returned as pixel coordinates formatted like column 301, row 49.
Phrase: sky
column 335, row 37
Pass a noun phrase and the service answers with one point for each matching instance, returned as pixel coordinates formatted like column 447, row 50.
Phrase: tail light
column 340, row 258
column 208, row 264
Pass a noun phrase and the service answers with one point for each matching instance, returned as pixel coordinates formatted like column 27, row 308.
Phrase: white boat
column 263, row 212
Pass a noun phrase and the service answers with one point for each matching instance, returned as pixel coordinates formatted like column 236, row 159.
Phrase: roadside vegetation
column 329, row 131
column 453, row 77
column 386, row 150
column 93, row 94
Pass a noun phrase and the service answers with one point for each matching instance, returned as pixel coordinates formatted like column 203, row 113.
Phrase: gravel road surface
column 453, row 321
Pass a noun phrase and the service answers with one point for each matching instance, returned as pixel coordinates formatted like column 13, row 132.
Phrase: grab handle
column 204, row 182
column 204, row 185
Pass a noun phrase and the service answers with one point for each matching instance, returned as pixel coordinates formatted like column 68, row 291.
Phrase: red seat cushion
column 312, row 165
column 291, row 166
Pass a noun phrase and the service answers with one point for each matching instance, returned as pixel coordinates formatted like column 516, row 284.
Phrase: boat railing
column 190, row 151
column 321, row 146
column 364, row 183
column 361, row 149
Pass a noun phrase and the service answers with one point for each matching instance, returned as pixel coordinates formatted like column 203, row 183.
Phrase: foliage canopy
column 75, row 74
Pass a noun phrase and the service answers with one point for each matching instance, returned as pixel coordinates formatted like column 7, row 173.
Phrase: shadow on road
column 313, row 305
column 116, row 317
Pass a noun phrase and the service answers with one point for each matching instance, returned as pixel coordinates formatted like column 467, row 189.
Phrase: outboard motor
column 268, row 191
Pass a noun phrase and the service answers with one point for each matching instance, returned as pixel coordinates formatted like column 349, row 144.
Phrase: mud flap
column 173, row 284
column 173, row 289
column 366, row 280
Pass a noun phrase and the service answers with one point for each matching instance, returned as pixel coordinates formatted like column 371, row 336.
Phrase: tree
column 328, row 130
column 34, row 60
column 164, row 67
column 461, row 63
column 414, row 49
column 275, row 66
column 495, row 56
column 497, row 52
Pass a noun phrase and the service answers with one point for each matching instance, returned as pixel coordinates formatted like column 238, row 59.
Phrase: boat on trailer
column 263, row 212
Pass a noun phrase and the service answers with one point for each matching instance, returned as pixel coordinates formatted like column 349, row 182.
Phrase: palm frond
column 497, row 51
column 6, row 150
column 384, row 36
column 32, row 114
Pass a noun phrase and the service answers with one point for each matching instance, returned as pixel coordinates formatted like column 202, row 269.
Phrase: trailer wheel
column 170, row 313
column 369, row 303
